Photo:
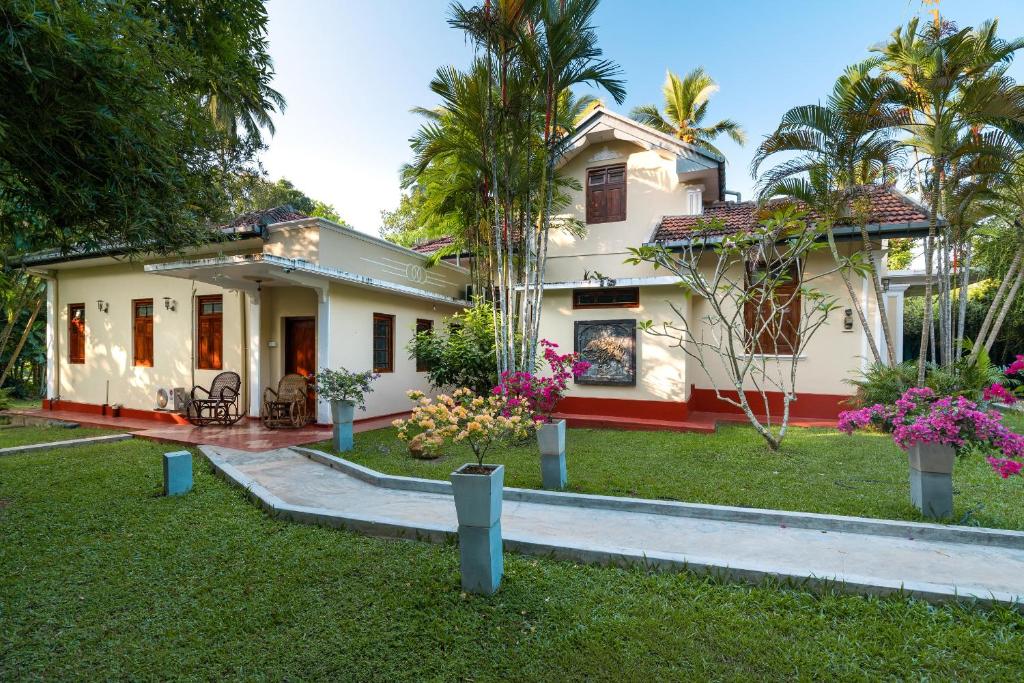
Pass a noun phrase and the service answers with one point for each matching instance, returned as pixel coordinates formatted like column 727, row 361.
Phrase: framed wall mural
column 610, row 348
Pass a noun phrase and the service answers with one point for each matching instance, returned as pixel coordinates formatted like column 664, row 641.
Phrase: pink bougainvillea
column 921, row 417
column 997, row 392
column 540, row 395
column 1017, row 366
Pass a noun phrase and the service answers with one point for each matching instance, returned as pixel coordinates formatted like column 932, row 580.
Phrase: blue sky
column 352, row 69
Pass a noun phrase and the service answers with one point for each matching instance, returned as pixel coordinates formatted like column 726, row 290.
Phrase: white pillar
column 897, row 295
column 323, row 347
column 52, row 357
column 253, row 322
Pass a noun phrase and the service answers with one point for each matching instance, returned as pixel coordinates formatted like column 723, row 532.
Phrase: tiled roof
column 888, row 207
column 278, row 214
column 430, row 246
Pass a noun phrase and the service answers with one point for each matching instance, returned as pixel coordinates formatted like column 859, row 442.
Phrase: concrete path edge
column 804, row 520
column 67, row 443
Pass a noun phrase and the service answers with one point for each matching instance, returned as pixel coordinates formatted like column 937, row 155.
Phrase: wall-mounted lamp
column 170, row 304
column 102, row 305
column 848, row 319
column 885, row 284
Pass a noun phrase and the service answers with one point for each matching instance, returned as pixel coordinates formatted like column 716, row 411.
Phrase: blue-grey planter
column 931, row 479
column 478, row 506
column 478, row 496
column 342, row 413
column 551, row 442
column 177, row 473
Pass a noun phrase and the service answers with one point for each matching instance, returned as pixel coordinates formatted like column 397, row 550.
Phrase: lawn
column 103, row 578
column 819, row 470
column 21, row 436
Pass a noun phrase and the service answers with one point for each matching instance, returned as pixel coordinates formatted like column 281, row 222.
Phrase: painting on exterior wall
column 610, row 348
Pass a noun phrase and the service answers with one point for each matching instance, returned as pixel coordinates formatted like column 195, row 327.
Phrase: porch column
column 323, row 347
column 253, row 322
column 52, row 357
column 897, row 296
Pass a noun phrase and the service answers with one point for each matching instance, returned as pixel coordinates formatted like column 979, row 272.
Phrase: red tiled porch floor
column 247, row 435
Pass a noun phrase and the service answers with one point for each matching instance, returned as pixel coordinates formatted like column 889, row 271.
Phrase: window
column 76, row 333
column 423, row 325
column 209, row 331
column 606, row 194
column 612, row 297
column 773, row 319
column 383, row 342
column 142, row 326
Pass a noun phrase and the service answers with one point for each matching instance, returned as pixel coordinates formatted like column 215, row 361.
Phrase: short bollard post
column 342, row 413
column 177, row 473
column 478, row 507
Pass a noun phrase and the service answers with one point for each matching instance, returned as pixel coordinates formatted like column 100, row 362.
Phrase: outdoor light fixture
column 102, row 305
column 170, row 304
column 885, row 284
column 848, row 319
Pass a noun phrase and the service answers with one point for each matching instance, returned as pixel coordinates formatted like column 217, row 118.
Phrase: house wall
column 109, row 337
column 276, row 304
column 351, row 334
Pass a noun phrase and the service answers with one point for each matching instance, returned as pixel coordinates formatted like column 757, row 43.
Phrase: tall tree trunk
column 929, row 253
column 21, row 342
column 854, row 300
column 1007, row 305
column 965, row 282
column 1015, row 266
column 876, row 281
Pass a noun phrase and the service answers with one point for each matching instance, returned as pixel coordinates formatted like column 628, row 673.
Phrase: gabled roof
column 277, row 214
column 627, row 128
column 890, row 211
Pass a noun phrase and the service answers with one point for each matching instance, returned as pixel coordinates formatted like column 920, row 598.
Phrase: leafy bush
column 342, row 385
column 463, row 354
column 883, row 384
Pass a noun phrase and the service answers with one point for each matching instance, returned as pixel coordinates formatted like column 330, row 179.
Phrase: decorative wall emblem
column 610, row 348
column 605, row 154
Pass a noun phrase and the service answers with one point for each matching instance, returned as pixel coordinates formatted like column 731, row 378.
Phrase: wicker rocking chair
column 286, row 407
column 220, row 406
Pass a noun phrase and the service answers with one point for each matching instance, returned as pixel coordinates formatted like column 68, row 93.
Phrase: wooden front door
column 300, row 352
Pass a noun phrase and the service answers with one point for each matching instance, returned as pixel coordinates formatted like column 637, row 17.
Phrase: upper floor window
column 773, row 311
column 76, row 333
column 423, row 325
column 609, row 297
column 209, row 331
column 142, row 328
column 383, row 342
column 606, row 194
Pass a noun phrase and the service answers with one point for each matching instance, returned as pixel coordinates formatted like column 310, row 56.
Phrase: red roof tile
column 888, row 207
column 278, row 214
column 430, row 246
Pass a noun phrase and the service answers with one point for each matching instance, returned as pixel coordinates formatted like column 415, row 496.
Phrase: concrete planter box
column 478, row 506
column 342, row 414
column 551, row 441
column 478, row 496
column 931, row 479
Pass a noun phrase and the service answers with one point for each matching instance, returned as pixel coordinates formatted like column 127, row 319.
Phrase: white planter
column 931, row 479
column 551, row 438
column 478, row 496
column 932, row 458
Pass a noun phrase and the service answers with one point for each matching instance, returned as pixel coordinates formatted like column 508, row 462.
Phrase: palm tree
column 686, row 105
column 954, row 84
column 842, row 146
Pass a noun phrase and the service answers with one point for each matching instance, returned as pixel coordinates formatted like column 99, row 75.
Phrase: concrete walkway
column 934, row 562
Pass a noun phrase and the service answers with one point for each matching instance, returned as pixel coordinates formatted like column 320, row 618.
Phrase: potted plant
column 933, row 430
column 345, row 391
column 480, row 423
column 541, row 395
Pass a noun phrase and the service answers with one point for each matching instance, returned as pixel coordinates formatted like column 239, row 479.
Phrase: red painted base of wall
column 818, row 406
column 133, row 413
column 667, row 411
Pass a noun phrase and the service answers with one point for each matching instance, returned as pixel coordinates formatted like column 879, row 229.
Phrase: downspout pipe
column 739, row 197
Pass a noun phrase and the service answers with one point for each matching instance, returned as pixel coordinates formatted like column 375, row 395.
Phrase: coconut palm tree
column 953, row 82
column 686, row 106
column 841, row 146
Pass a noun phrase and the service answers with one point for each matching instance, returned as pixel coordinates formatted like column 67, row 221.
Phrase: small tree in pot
column 541, row 395
column 345, row 391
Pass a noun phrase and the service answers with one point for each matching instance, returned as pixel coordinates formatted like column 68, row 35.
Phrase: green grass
column 819, row 470
column 102, row 578
column 22, row 436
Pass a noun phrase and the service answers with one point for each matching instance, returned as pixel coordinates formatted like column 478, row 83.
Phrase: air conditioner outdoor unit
column 171, row 398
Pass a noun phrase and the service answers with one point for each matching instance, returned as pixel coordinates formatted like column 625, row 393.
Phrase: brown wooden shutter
column 606, row 194
column 779, row 330
column 76, row 333
column 209, row 332
column 383, row 342
column 142, row 327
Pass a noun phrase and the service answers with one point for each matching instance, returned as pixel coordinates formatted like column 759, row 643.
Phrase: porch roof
column 250, row 272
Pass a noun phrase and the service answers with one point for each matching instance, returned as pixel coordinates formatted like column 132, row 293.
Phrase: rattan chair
column 220, row 406
column 286, row 406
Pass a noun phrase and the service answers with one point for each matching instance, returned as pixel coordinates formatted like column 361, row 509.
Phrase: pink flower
column 997, row 392
column 1017, row 366
column 1005, row 467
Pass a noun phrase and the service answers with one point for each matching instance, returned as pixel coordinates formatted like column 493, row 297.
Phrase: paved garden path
column 859, row 555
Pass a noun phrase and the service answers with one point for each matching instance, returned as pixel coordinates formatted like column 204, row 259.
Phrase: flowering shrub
column 540, row 395
column 1011, row 388
column 462, row 418
column 921, row 417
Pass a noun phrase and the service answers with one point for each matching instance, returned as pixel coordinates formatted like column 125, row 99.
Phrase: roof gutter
column 884, row 230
